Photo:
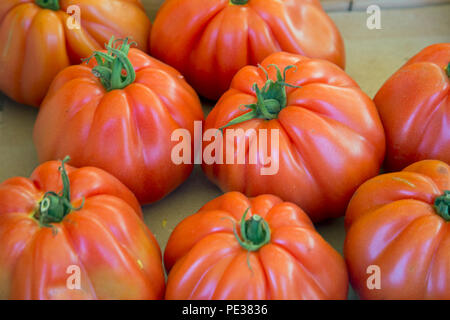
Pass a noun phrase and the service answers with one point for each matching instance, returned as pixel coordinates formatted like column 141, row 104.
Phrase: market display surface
column 141, row 226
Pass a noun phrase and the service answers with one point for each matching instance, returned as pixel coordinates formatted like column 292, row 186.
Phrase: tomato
column 91, row 230
column 399, row 223
column 121, row 119
column 414, row 106
column 275, row 254
column 330, row 138
column 209, row 41
column 38, row 39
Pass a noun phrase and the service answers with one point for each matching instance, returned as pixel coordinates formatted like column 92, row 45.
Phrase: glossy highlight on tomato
column 241, row 248
column 63, row 222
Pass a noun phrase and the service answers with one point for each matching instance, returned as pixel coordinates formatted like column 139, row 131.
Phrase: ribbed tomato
column 414, row 106
column 330, row 138
column 37, row 39
column 209, row 41
column 91, row 229
column 275, row 254
column 400, row 223
column 121, row 119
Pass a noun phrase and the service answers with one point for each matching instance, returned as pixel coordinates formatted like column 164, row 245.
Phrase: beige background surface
column 372, row 56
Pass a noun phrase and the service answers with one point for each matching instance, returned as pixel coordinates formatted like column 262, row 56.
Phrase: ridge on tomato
column 118, row 113
column 322, row 130
column 243, row 248
column 399, row 222
column 92, row 225
column 414, row 106
column 209, row 41
column 38, row 38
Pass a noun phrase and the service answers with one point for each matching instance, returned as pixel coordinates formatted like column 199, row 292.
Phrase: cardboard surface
column 372, row 56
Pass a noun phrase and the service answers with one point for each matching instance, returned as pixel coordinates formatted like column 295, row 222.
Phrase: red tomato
column 209, row 41
column 414, row 106
column 38, row 39
column 121, row 122
column 330, row 136
column 399, row 222
column 92, row 226
column 275, row 254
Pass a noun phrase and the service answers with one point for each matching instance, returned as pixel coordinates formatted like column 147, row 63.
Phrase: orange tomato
column 275, row 254
column 414, row 106
column 209, row 41
column 122, row 124
column 330, row 136
column 46, row 241
column 37, row 39
column 399, row 222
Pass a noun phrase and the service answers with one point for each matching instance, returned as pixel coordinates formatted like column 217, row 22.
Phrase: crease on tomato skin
column 23, row 16
column 222, row 225
column 136, row 245
column 315, row 277
column 45, row 34
column 203, row 288
column 80, row 263
column 442, row 122
column 420, row 268
column 200, row 259
column 244, row 271
column 307, row 278
column 18, row 248
column 427, row 283
column 442, row 249
column 123, row 260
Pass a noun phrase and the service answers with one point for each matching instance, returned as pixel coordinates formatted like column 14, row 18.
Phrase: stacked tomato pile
column 104, row 137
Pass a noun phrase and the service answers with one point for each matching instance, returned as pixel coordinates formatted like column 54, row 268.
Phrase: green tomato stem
column 239, row 2
column 271, row 99
column 114, row 68
column 442, row 205
column 255, row 232
column 48, row 4
column 54, row 207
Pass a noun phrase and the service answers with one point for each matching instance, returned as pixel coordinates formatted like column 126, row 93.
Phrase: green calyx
column 442, row 205
column 255, row 232
column 238, row 2
column 448, row 69
column 114, row 69
column 54, row 207
column 48, row 4
column 271, row 99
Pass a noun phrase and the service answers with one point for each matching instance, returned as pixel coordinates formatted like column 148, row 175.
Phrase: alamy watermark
column 73, row 281
column 374, row 20
column 74, row 19
column 236, row 146
column 374, row 280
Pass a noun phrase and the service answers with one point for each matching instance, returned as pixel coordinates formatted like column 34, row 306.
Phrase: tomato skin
column 106, row 239
column 414, row 106
column 125, row 132
column 331, row 138
column 37, row 43
column 391, row 223
column 205, row 261
column 209, row 41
